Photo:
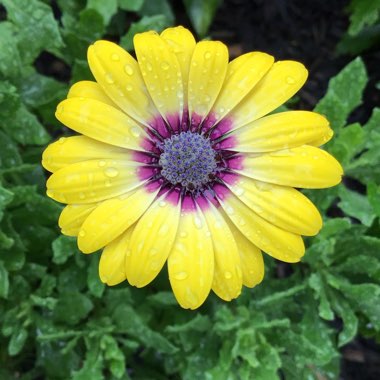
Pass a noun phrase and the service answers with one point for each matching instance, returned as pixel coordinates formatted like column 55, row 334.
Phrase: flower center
column 188, row 159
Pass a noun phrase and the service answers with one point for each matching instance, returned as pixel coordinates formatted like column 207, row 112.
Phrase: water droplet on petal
column 162, row 203
column 82, row 233
column 227, row 275
column 82, row 196
column 115, row 57
column 183, row 234
column 207, row 55
column 101, row 163
column 128, row 69
column 149, row 66
column 180, row 275
column 164, row 229
column 135, row 131
column 290, row 80
column 164, row 65
column 239, row 191
column 111, row 172
column 129, row 87
column 109, row 78
column 198, row 222
column 62, row 140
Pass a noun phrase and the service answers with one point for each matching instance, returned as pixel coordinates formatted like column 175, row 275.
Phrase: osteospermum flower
column 176, row 163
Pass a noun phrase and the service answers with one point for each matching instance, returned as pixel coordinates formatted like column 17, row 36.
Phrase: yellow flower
column 176, row 163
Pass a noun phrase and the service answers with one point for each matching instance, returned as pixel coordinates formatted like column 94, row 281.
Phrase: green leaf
column 344, row 94
column 356, row 205
column 157, row 7
column 363, row 13
column 157, row 23
column 4, row 281
column 201, row 14
column 113, row 354
column 131, row 5
column 93, row 364
column 10, row 61
column 6, row 197
column 324, row 309
column 24, row 127
column 72, row 307
column 17, row 341
column 36, row 26
column 94, row 284
column 9, row 98
column 9, row 154
column 63, row 248
column 373, row 192
column 105, row 8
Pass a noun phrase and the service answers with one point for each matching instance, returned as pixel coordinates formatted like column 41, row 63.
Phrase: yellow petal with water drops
column 112, row 260
column 243, row 74
column 252, row 262
column 118, row 73
column 227, row 281
column 274, row 241
column 191, row 261
column 161, row 73
column 111, row 218
column 282, row 206
column 151, row 242
column 73, row 216
column 90, row 90
column 281, row 82
column 92, row 181
column 281, row 131
column 100, row 122
column 69, row 150
column 207, row 72
column 305, row 167
column 181, row 43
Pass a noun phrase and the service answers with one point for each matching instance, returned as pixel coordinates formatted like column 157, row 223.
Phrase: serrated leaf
column 4, row 281
column 94, row 284
column 201, row 14
column 9, row 154
column 17, row 341
column 363, row 13
column 324, row 309
column 9, row 98
column 356, row 205
column 36, row 26
column 344, row 94
column 63, row 248
column 72, row 307
column 105, row 8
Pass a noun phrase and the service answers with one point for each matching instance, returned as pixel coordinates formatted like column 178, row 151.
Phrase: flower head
column 175, row 163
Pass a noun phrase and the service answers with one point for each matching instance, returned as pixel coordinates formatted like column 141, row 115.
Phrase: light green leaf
column 63, row 248
column 4, row 281
column 344, row 94
column 36, row 26
column 94, row 284
column 17, row 341
column 131, row 5
column 201, row 14
column 363, row 13
column 10, row 61
column 105, row 8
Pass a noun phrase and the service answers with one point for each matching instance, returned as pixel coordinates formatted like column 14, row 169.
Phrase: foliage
column 59, row 322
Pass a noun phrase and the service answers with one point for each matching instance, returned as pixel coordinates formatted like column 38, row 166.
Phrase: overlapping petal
column 89, row 90
column 305, row 167
column 73, row 216
column 191, row 261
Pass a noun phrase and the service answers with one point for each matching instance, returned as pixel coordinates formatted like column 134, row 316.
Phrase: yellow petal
column 161, row 73
column 282, row 206
column 281, row 131
column 305, row 166
column 243, row 74
column 191, row 261
column 280, row 244
column 281, row 82
column 89, row 90
column 207, row 72
column 92, row 181
column 100, row 122
column 118, row 73
column 111, row 218
column 181, row 43
column 227, row 281
column 112, row 260
column 151, row 242
column 73, row 216
column 69, row 150
column 252, row 263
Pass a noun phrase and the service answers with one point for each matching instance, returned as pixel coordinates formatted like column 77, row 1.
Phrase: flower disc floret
column 188, row 159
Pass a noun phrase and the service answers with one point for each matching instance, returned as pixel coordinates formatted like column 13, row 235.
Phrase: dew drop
column 207, row 55
column 290, row 80
column 164, row 229
column 135, row 132
column 164, row 65
column 129, row 87
column 82, row 233
column 115, row 57
column 107, row 183
column 82, row 196
column 101, row 163
column 227, row 275
column 197, row 222
column 183, row 234
column 128, row 69
column 149, row 66
column 109, row 79
column 111, row 172
column 162, row 203
column 239, row 191
column 153, row 252
column 128, row 252
column 180, row 275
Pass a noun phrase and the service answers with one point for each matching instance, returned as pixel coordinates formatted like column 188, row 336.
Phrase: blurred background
column 316, row 320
